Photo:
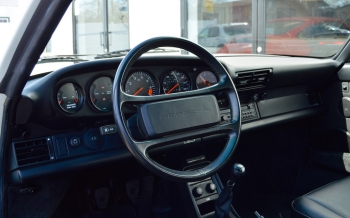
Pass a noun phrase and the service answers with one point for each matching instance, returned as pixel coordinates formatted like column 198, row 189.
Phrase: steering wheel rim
column 139, row 149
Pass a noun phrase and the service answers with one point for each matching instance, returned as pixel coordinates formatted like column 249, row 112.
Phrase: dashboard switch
column 197, row 191
column 211, row 187
column 61, row 146
column 93, row 139
column 109, row 129
column 74, row 142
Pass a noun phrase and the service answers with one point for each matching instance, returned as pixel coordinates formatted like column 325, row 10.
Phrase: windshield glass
column 294, row 27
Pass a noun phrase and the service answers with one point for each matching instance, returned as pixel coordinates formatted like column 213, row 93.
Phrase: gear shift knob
column 237, row 172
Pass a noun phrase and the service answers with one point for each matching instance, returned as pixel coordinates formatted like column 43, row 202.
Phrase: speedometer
column 141, row 83
column 176, row 81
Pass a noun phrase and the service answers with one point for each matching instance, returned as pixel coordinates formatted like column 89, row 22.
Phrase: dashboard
column 64, row 120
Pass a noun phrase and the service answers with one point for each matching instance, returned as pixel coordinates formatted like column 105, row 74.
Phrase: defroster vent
column 252, row 79
column 33, row 151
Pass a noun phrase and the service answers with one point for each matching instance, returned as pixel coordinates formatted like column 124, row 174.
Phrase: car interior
column 196, row 135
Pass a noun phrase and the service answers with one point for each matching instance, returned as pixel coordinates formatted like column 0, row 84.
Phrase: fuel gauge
column 70, row 97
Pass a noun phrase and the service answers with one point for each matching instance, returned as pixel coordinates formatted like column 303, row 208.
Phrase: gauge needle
column 150, row 91
column 205, row 82
column 61, row 101
column 138, row 91
column 172, row 89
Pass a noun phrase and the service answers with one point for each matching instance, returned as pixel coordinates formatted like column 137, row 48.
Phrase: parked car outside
column 317, row 37
column 218, row 35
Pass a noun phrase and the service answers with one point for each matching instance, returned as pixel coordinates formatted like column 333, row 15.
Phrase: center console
column 204, row 193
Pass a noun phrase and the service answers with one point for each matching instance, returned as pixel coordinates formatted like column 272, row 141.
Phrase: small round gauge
column 141, row 83
column 70, row 97
column 101, row 94
column 176, row 81
column 206, row 79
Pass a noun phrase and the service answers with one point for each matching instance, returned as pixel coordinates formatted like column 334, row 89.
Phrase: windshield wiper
column 61, row 58
column 123, row 52
column 111, row 54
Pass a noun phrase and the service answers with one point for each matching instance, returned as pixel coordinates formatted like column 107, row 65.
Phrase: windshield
column 293, row 27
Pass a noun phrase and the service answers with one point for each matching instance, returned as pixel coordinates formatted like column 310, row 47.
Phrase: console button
column 211, row 187
column 93, row 139
column 197, row 191
column 74, row 142
column 109, row 129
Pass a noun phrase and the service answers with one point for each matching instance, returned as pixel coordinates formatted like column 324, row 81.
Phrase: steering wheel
column 171, row 118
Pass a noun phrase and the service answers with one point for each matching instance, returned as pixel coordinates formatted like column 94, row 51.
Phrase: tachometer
column 176, row 81
column 141, row 83
column 70, row 97
column 101, row 94
column 206, row 79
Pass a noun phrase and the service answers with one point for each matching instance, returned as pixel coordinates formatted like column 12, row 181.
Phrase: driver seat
column 332, row 200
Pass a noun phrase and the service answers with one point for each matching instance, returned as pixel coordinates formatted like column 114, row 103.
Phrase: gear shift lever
column 237, row 172
column 223, row 203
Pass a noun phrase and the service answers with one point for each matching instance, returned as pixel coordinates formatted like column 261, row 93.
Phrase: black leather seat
column 332, row 200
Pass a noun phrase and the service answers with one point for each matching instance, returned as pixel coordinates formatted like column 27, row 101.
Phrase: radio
column 248, row 111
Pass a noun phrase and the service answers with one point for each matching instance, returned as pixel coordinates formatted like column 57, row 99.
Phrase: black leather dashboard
column 290, row 92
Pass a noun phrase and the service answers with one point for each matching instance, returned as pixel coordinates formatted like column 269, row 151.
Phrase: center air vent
column 252, row 79
column 33, row 151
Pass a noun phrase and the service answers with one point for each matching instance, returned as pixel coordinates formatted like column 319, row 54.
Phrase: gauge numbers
column 141, row 83
column 176, row 81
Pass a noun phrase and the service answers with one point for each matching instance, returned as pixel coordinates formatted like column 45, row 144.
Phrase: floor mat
column 172, row 200
column 273, row 159
column 115, row 211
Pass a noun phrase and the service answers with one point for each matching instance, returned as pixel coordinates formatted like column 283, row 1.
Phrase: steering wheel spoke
column 145, row 146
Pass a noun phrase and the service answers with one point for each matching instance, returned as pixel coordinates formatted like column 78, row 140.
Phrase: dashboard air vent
column 33, row 151
column 252, row 79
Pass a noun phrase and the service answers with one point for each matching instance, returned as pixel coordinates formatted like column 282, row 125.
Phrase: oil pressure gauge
column 70, row 97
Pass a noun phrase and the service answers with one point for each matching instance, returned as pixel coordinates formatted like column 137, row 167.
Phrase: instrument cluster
column 71, row 97
column 143, row 83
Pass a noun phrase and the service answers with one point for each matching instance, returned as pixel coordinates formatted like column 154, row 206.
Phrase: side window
column 203, row 34
column 213, row 32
